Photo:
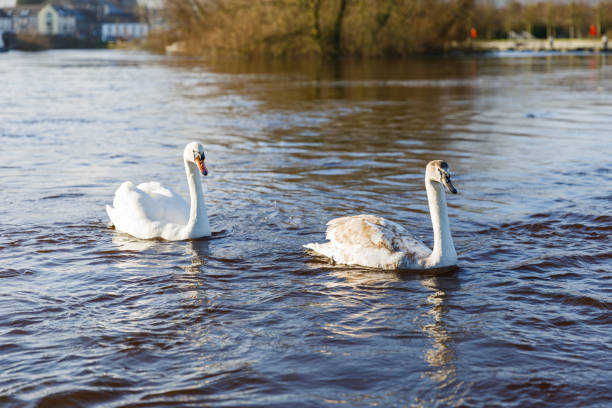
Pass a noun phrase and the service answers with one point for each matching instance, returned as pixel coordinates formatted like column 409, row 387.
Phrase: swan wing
column 131, row 211
column 146, row 213
column 372, row 231
column 168, row 206
column 363, row 230
column 372, row 241
column 150, row 210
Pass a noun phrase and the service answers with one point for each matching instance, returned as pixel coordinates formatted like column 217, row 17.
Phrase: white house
column 57, row 20
column 120, row 25
column 124, row 31
column 6, row 22
column 25, row 19
column 90, row 20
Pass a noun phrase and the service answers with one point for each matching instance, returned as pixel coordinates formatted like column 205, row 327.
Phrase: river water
column 91, row 317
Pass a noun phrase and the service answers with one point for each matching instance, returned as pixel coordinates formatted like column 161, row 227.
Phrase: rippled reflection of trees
column 343, row 106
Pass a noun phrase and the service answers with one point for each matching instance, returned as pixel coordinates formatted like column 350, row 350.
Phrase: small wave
column 76, row 398
column 581, row 300
column 562, row 322
column 13, row 273
column 107, row 381
column 105, row 297
column 537, row 384
column 10, row 402
column 9, row 347
column 565, row 298
column 565, row 275
column 61, row 196
column 552, row 263
column 556, row 229
column 240, row 378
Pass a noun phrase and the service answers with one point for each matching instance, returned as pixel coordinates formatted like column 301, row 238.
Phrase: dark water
column 89, row 317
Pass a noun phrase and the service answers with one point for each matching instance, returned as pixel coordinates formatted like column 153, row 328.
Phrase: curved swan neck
column 443, row 253
column 198, row 218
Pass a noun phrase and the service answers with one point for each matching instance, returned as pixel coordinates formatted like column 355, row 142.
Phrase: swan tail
column 311, row 246
column 322, row 249
column 109, row 212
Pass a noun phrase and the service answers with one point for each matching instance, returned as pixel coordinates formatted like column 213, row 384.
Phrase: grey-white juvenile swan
column 151, row 211
column 375, row 242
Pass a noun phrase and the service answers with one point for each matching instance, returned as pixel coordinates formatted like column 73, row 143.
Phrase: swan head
column 438, row 171
column 194, row 152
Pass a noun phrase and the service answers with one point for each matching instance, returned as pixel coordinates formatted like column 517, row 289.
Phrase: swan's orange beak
column 201, row 165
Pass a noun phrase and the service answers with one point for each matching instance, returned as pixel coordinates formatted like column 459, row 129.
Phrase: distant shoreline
column 560, row 45
column 43, row 43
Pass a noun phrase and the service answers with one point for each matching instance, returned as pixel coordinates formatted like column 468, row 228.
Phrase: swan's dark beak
column 448, row 184
column 200, row 162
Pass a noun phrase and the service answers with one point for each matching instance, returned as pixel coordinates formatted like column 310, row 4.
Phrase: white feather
column 150, row 210
column 375, row 242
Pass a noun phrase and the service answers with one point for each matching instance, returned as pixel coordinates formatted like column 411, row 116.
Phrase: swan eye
column 444, row 176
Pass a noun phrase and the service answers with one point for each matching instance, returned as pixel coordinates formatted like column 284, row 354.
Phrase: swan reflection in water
column 441, row 356
column 199, row 249
column 127, row 243
column 158, row 257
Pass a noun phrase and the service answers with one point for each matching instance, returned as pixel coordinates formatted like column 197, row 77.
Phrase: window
column 49, row 23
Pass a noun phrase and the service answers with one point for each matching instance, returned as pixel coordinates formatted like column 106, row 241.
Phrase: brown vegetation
column 32, row 42
column 318, row 27
column 367, row 27
column 157, row 40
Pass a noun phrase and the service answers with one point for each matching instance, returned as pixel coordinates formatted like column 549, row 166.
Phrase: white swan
column 152, row 211
column 372, row 241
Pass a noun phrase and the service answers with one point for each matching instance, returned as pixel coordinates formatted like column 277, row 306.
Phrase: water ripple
column 93, row 317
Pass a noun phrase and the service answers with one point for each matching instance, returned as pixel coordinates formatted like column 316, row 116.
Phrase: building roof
column 85, row 16
column 112, row 8
column 113, row 14
column 82, row 10
column 64, row 11
column 23, row 11
column 121, row 18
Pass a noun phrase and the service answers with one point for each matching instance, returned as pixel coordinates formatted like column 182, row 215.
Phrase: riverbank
column 40, row 42
column 562, row 45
